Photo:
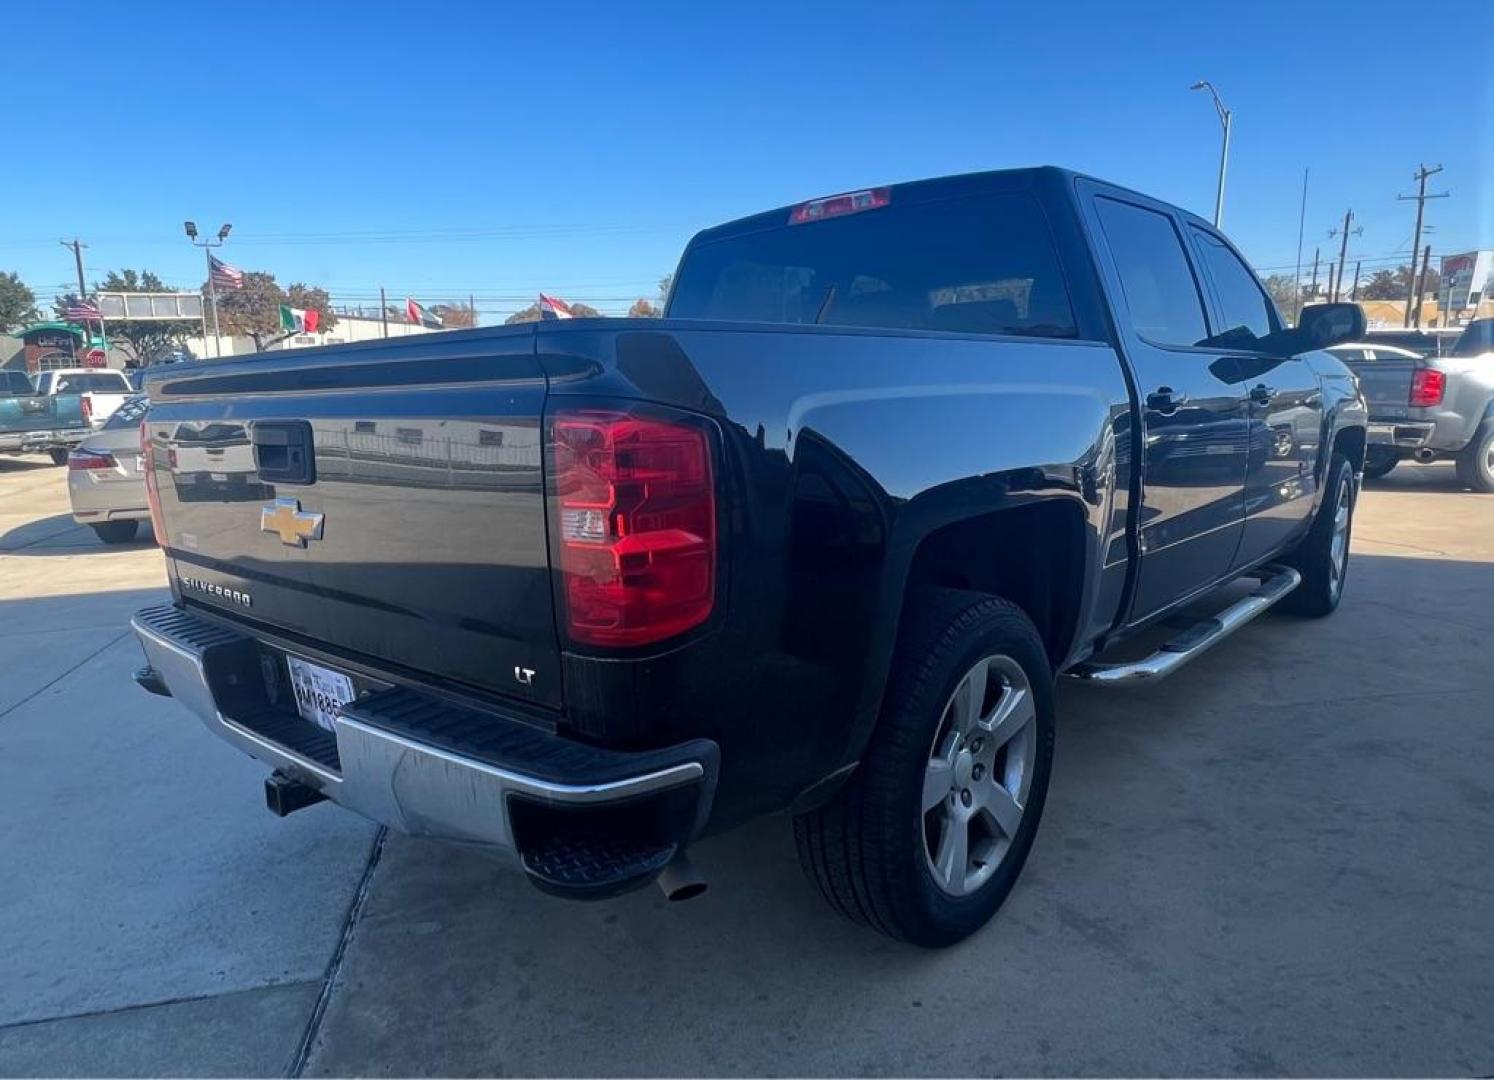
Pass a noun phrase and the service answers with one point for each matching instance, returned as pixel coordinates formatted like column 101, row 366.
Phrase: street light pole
column 191, row 228
column 1226, row 121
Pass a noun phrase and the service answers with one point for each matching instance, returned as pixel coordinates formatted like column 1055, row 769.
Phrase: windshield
column 983, row 265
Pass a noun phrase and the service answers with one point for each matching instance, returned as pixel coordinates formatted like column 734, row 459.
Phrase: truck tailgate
column 40, row 412
column 412, row 538
column 1386, row 384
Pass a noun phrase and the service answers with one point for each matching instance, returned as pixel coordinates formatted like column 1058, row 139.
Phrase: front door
column 1195, row 416
column 1286, row 402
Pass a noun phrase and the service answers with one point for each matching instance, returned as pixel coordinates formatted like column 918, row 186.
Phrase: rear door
column 386, row 507
column 1285, row 400
column 1195, row 417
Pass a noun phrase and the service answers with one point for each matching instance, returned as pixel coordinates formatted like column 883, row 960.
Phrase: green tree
column 665, row 284
column 254, row 310
column 1381, row 285
column 17, row 303
column 643, row 309
column 1283, row 290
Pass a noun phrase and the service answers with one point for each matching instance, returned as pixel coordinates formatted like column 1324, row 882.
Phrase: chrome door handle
column 1165, row 400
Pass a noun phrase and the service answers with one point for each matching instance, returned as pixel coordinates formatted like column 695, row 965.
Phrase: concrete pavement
column 1276, row 862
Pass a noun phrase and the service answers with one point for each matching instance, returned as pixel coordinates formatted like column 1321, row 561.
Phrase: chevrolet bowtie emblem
column 286, row 519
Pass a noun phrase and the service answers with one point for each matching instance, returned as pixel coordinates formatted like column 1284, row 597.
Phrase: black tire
column 865, row 850
column 58, row 455
column 1475, row 462
column 115, row 532
column 1315, row 557
column 1378, row 465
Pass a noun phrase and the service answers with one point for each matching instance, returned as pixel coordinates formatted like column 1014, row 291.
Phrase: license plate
column 319, row 691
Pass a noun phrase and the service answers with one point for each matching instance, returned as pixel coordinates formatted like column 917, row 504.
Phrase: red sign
column 94, row 358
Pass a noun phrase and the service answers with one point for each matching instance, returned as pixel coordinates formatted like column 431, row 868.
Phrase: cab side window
column 1161, row 295
column 1247, row 311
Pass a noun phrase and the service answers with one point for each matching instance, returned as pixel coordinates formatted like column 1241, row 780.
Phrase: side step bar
column 1276, row 582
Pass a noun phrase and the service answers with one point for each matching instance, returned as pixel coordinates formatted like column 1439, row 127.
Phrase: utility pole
column 1421, row 197
column 1421, row 284
column 1297, row 274
column 1343, row 253
column 1354, row 288
column 76, row 246
column 1313, row 289
column 383, row 311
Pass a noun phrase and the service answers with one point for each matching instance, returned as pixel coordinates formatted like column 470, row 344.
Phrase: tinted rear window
column 983, row 265
column 107, row 382
column 129, row 414
column 1477, row 338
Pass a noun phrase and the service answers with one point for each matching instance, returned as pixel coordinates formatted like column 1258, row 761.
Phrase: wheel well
column 1350, row 443
column 1031, row 555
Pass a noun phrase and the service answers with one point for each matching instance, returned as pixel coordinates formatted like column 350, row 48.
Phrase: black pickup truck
column 817, row 541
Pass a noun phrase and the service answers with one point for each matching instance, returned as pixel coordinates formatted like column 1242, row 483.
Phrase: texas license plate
column 319, row 691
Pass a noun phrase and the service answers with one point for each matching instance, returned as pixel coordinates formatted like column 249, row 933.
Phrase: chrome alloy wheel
column 978, row 775
column 1338, row 548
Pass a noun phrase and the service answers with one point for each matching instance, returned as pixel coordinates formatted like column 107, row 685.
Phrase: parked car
column 104, row 481
column 103, row 389
column 816, row 541
column 1427, row 408
column 31, row 423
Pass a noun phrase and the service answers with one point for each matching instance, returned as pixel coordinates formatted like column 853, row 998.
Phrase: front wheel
column 1322, row 557
column 1475, row 463
column 928, row 837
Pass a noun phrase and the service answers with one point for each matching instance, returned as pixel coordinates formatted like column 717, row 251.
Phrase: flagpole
column 213, row 295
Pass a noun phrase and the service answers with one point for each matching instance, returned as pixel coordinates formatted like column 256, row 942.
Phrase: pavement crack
column 185, row 999
column 334, row 965
column 43, row 689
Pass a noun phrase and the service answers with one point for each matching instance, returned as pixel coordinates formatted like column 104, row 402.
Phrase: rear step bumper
column 1275, row 582
column 585, row 821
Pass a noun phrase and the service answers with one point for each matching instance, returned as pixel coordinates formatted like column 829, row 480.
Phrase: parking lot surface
column 1278, row 861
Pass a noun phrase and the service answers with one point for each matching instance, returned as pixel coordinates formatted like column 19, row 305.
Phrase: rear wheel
column 115, row 532
column 1378, row 463
column 1475, row 463
column 58, row 455
column 1323, row 555
column 929, row 835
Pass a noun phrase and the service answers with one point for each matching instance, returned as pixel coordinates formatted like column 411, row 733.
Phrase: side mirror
column 1321, row 325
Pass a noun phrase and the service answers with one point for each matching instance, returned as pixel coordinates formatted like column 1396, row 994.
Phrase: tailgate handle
column 283, row 451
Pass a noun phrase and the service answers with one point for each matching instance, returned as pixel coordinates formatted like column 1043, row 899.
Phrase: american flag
column 82, row 310
column 225, row 276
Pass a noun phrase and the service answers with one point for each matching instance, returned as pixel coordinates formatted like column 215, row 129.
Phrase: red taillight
column 852, row 202
column 148, row 470
column 82, row 460
column 1427, row 386
column 636, row 525
column 87, row 404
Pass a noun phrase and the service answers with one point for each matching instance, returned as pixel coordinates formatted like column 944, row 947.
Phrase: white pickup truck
column 103, row 390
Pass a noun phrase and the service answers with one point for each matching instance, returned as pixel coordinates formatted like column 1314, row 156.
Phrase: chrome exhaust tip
column 680, row 880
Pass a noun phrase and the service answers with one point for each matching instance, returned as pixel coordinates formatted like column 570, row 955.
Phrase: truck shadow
column 1145, row 886
column 1411, row 476
column 61, row 535
column 25, row 463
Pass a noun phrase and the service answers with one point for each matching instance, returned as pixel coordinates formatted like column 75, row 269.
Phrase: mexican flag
column 294, row 320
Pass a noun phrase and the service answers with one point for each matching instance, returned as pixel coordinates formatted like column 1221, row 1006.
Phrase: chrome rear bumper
column 402, row 781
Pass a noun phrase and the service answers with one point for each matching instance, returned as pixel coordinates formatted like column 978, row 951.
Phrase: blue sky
column 496, row 149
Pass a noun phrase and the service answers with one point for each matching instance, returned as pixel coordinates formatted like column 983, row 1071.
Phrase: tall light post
column 206, row 245
column 1225, row 118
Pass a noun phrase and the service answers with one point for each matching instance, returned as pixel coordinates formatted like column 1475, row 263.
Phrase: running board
column 1276, row 582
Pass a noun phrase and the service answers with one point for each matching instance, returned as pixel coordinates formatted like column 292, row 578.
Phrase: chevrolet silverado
column 817, row 541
